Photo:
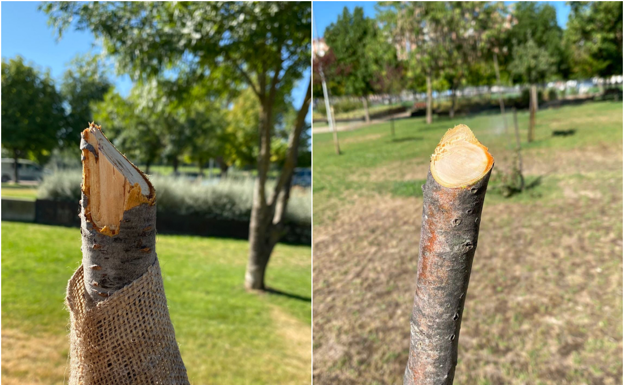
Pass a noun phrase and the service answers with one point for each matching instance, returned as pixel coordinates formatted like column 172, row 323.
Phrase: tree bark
column 532, row 110
column 267, row 217
column 367, row 114
column 449, row 233
column 500, row 93
column 429, row 98
column 15, row 166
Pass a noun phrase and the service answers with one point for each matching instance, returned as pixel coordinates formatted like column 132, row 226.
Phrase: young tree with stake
column 453, row 198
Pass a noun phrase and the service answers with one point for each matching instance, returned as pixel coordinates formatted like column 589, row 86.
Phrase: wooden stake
column 453, row 198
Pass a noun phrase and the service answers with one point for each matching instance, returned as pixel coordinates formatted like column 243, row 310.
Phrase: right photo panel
column 467, row 192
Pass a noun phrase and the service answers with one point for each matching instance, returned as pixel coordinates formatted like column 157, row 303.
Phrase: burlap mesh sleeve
column 127, row 339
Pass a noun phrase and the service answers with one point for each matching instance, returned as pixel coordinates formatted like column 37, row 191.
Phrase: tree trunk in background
column 429, row 98
column 266, row 226
column 15, row 166
column 535, row 98
column 223, row 167
column 500, row 92
column 532, row 104
column 147, row 166
column 175, row 165
column 367, row 114
column 392, row 125
column 452, row 111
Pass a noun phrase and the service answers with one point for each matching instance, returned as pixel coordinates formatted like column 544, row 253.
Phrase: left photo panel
column 156, row 204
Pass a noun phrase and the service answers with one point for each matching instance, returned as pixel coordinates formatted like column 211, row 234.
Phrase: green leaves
column 595, row 32
column 32, row 110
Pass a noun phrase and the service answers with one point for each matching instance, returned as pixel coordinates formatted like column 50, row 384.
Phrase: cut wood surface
column 453, row 198
column 118, row 217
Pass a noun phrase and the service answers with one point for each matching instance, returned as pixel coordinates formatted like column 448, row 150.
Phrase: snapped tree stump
column 121, row 332
column 452, row 202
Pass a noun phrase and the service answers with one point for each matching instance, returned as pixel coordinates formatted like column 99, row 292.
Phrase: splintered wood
column 110, row 182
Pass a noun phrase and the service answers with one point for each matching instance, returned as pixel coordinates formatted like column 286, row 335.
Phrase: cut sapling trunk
column 453, row 198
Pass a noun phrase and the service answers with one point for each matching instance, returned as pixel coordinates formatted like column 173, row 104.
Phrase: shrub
column 340, row 106
column 227, row 199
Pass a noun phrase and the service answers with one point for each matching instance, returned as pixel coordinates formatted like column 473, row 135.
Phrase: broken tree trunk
column 120, row 326
column 452, row 202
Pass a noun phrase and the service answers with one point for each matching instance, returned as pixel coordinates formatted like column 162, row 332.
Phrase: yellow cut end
column 460, row 160
column 111, row 183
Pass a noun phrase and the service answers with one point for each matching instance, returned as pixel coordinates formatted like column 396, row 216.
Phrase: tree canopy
column 595, row 31
column 32, row 111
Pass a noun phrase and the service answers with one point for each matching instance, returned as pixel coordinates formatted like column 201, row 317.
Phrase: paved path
column 350, row 126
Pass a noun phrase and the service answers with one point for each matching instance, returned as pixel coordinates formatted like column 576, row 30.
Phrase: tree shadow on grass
column 270, row 290
column 564, row 133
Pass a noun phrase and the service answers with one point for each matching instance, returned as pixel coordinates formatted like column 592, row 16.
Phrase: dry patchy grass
column 545, row 301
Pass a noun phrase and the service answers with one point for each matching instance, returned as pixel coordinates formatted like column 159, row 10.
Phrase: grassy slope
column 373, row 147
column 226, row 335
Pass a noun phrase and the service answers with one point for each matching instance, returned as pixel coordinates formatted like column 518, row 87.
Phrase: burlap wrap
column 127, row 339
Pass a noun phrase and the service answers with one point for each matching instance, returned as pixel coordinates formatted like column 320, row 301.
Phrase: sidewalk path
column 350, row 126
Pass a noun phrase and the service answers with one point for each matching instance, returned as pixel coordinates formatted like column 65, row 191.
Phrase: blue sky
column 326, row 12
column 25, row 32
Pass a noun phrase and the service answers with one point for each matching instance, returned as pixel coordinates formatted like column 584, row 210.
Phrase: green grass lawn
column 10, row 190
column 226, row 334
column 371, row 147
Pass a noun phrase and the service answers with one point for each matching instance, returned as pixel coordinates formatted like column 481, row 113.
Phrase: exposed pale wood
column 460, row 159
column 110, row 182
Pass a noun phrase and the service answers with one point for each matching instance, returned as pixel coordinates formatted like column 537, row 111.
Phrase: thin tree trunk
column 260, row 222
column 175, row 165
column 429, row 98
column 535, row 98
column 501, row 102
column 15, row 166
column 452, row 111
column 532, row 104
column 518, row 149
column 452, row 205
column 367, row 114
column 267, row 218
column 147, row 167
column 392, row 125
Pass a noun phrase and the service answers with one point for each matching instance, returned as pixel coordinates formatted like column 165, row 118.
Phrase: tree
column 417, row 32
column 533, row 65
column 538, row 22
column 595, row 32
column 350, row 39
column 32, row 112
column 265, row 46
column 83, row 83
